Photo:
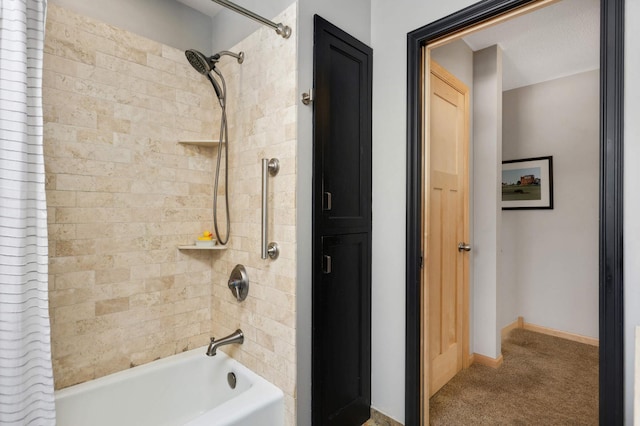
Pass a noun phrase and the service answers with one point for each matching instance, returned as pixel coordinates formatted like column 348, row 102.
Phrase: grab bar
column 269, row 167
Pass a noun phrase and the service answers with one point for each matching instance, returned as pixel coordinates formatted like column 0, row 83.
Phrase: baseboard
column 520, row 323
column 562, row 334
column 487, row 361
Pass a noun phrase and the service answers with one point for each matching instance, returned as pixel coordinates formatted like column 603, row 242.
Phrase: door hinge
column 421, row 259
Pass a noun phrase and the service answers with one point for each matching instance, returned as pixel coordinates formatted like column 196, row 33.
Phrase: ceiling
column 556, row 41
column 205, row 6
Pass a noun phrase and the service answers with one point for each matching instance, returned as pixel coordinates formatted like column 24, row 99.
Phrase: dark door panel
column 341, row 306
column 343, row 140
column 344, row 310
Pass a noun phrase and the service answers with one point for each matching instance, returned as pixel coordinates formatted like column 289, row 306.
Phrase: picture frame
column 527, row 184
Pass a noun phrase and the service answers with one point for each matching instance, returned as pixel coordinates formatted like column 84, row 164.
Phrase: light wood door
column 447, row 226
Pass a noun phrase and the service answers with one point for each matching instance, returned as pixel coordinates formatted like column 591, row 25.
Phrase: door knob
column 464, row 247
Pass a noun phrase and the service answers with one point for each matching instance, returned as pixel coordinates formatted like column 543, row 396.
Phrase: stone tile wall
column 122, row 194
column 261, row 108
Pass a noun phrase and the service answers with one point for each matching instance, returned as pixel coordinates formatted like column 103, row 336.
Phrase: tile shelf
column 194, row 247
column 200, row 142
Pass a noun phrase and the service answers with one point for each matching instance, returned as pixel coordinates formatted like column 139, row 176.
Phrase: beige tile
column 58, row 265
column 75, row 247
column 71, row 296
column 73, row 313
column 70, row 370
column 61, row 231
column 68, row 182
column 60, row 43
column 111, row 362
column 61, row 198
column 114, row 275
column 112, row 184
column 119, row 289
column 79, row 279
column 103, row 307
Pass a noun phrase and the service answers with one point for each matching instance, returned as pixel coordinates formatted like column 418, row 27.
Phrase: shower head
column 204, row 65
column 199, row 62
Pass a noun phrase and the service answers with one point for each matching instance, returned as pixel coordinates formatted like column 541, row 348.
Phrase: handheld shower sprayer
column 206, row 65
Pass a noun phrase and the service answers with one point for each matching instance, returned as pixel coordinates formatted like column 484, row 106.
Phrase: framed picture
column 527, row 183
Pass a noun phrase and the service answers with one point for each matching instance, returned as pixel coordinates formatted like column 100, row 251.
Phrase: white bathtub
column 186, row 389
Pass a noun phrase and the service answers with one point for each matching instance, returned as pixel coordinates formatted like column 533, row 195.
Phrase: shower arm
column 239, row 56
column 283, row 30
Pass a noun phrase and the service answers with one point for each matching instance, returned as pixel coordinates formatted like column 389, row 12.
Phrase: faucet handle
column 239, row 283
column 213, row 339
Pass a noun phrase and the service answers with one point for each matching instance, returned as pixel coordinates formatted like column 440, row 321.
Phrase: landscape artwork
column 521, row 184
column 527, row 184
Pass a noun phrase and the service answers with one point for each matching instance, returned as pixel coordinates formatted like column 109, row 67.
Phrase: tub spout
column 235, row 337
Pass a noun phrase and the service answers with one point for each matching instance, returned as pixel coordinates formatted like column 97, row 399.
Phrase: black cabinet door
column 342, row 336
column 341, row 314
column 342, row 129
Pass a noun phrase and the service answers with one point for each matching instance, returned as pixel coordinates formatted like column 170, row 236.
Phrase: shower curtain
column 26, row 379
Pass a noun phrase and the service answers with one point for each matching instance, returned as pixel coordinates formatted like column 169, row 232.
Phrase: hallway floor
column 543, row 380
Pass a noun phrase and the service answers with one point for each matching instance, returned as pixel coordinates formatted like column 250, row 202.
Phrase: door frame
column 611, row 330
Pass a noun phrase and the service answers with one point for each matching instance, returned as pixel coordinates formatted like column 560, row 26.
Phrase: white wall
column 631, row 196
column 390, row 23
column 487, row 156
column 354, row 17
column 508, row 292
column 167, row 21
column 457, row 58
column 552, row 260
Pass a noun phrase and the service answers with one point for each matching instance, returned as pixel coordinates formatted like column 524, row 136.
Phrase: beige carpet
column 543, row 380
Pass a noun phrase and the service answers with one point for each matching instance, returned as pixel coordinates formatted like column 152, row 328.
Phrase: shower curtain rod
column 283, row 30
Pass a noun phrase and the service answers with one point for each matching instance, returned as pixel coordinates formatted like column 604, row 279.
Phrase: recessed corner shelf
column 200, row 142
column 205, row 143
column 194, row 247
